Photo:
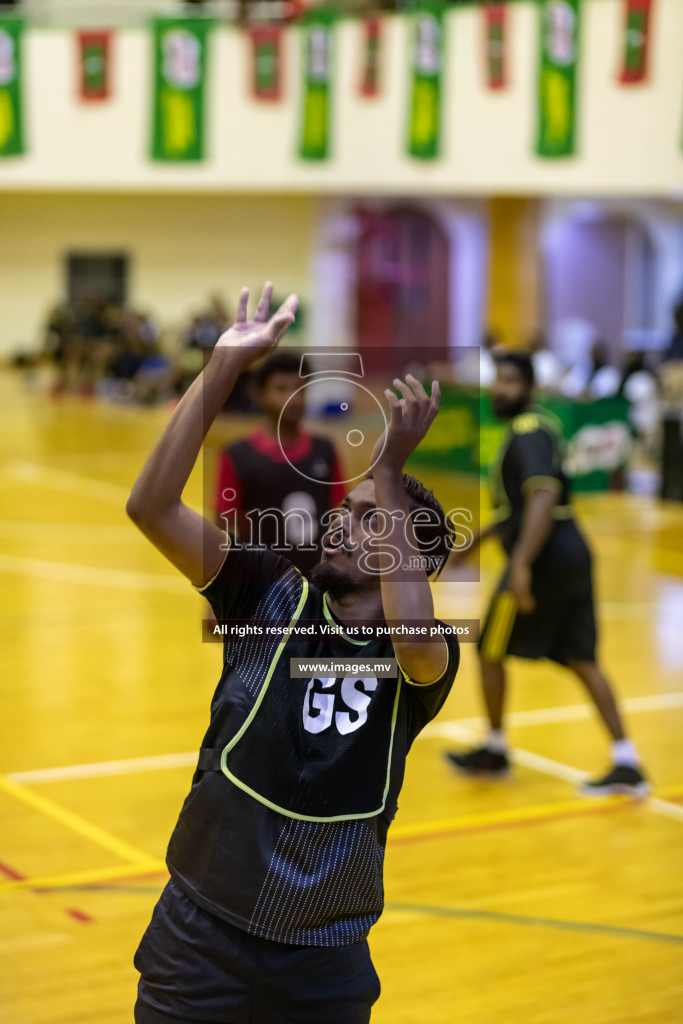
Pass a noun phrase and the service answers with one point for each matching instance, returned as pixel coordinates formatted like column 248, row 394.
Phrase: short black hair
column 436, row 537
column 521, row 361
column 281, row 362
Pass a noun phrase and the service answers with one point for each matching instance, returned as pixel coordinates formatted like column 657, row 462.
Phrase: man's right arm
column 192, row 543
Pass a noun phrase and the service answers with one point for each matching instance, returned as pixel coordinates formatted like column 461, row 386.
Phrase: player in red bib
column 275, row 485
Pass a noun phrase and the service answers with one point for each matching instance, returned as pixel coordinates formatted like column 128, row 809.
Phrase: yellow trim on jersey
column 541, row 483
column 252, row 714
column 525, row 423
column 412, row 682
column 201, row 587
column 500, row 626
column 339, row 630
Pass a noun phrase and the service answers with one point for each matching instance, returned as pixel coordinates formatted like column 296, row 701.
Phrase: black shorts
column 562, row 627
column 198, row 969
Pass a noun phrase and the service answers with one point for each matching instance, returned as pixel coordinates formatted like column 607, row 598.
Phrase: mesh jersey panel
column 285, row 879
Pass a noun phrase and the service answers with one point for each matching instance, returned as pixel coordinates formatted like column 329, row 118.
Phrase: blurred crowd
column 650, row 380
column 100, row 347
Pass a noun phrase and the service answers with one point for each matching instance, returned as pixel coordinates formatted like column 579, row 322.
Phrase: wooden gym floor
column 515, row 902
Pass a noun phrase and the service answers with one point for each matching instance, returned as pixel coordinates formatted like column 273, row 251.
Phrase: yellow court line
column 74, row 822
column 514, row 814
column 664, row 791
column 71, row 878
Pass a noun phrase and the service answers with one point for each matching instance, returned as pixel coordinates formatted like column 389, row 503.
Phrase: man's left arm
column 535, row 456
column 406, row 594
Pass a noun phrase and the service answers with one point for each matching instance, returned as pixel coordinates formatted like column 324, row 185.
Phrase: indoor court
column 453, row 189
column 516, row 893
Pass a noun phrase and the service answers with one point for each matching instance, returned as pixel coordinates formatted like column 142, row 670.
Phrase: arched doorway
column 600, row 272
column 402, row 301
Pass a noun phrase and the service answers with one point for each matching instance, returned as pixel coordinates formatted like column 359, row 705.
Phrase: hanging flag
column 266, row 50
column 496, row 24
column 94, row 63
column 180, row 59
column 636, row 41
column 317, row 43
column 11, row 100
column 559, row 50
column 427, row 44
column 372, row 57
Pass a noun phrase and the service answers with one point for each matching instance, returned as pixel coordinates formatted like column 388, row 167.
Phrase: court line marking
column 565, row 772
column 562, row 713
column 72, row 483
column 75, row 822
column 62, row 480
column 98, row 533
column 17, row 876
column 69, row 572
column 535, row 922
column 525, row 920
column 509, row 816
column 160, row 762
column 86, row 877
column 421, row 830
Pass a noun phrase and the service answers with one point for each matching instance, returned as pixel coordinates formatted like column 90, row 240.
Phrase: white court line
column 128, row 766
column 98, row 533
column 558, row 770
column 563, row 713
column 67, row 572
column 458, row 729
column 72, row 483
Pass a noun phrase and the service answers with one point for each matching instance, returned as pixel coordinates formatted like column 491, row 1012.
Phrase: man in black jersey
column 543, row 606
column 276, row 859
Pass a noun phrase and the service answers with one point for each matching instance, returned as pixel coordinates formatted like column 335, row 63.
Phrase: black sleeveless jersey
column 284, row 829
column 530, row 456
column 285, row 502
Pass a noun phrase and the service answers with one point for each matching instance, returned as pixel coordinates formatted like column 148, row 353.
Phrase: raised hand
column 411, row 417
column 253, row 338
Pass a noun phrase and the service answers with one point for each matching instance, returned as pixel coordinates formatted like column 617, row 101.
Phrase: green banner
column 426, row 61
column 465, row 436
column 559, row 55
column 180, row 60
column 317, row 56
column 11, row 100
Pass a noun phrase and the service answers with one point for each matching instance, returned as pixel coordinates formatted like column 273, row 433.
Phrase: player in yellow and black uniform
column 543, row 606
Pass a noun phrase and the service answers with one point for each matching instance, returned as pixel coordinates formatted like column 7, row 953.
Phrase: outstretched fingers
column 282, row 319
column 433, row 407
column 263, row 307
column 241, row 317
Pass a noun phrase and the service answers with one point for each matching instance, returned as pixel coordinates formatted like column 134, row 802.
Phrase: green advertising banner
column 426, row 62
column 317, row 55
column 180, row 61
column 11, row 100
column 558, row 63
column 465, row 436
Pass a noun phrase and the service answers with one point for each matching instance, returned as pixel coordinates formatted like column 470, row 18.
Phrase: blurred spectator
column 196, row 341
column 675, row 349
column 547, row 367
column 487, row 367
column 593, row 378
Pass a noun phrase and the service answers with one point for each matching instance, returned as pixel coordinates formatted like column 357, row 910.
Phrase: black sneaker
column 481, row 761
column 620, row 779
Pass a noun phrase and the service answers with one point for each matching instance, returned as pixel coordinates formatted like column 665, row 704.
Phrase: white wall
column 182, row 248
column 629, row 137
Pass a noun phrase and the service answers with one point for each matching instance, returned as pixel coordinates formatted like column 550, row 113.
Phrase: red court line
column 494, row 825
column 73, row 912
